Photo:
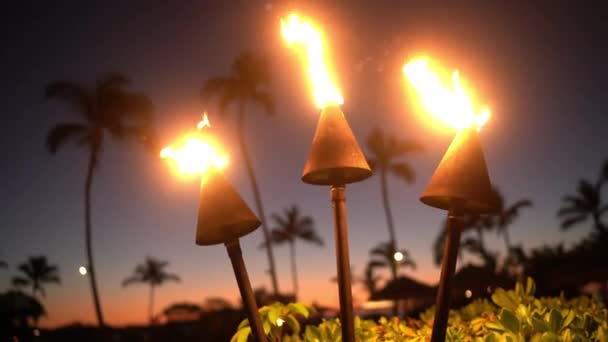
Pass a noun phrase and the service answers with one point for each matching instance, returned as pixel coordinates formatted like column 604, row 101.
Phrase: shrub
column 512, row 316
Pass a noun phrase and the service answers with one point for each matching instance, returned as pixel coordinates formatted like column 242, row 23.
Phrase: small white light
column 82, row 270
column 36, row 332
column 468, row 293
column 280, row 322
column 398, row 256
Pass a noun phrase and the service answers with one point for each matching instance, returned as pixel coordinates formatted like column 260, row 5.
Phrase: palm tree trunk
column 257, row 197
column 87, row 233
column 151, row 305
column 507, row 238
column 294, row 270
column 391, row 231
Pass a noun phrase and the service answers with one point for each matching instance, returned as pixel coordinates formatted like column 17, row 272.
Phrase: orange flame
column 296, row 31
column 196, row 152
column 450, row 103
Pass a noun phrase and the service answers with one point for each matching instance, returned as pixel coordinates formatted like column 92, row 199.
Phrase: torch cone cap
column 223, row 216
column 461, row 180
column 335, row 156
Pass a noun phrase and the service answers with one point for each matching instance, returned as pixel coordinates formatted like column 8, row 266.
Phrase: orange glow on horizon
column 196, row 152
column 443, row 95
column 324, row 89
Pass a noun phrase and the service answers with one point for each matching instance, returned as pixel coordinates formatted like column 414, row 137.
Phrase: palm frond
column 403, row 171
column 63, row 134
column 131, row 280
column 571, row 221
column 72, row 94
column 215, row 86
column 19, row 282
column 265, row 100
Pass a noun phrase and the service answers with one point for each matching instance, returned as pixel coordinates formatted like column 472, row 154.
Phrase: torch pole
column 240, row 272
column 338, row 201
column 442, row 306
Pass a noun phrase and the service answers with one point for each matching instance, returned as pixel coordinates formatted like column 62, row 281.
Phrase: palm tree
column 151, row 271
column 369, row 279
column 475, row 244
column 386, row 154
column 106, row 109
column 36, row 272
column 248, row 82
column 386, row 255
column 289, row 228
column 506, row 216
column 586, row 203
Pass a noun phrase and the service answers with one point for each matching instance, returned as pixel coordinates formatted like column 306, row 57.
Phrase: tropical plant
column 513, row 315
column 586, row 204
column 152, row 272
column 386, row 157
column 290, row 227
column 248, row 82
column 506, row 216
column 36, row 272
column 385, row 255
column 18, row 311
column 369, row 279
column 106, row 109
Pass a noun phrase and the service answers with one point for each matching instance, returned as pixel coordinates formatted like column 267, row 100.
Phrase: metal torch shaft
column 338, row 201
column 442, row 306
column 240, row 272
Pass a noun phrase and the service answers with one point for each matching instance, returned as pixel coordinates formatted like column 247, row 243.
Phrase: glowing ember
column 296, row 31
column 195, row 153
column 447, row 100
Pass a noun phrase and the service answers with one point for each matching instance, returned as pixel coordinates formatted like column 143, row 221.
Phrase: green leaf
column 555, row 321
column 241, row 335
column 509, row 321
column 298, row 308
column 244, row 323
column 503, row 299
column 530, row 287
column 292, row 323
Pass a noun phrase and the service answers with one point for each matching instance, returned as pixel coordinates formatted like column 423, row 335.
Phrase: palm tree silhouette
column 249, row 79
column 369, row 279
column 151, row 271
column 386, row 152
column 475, row 244
column 289, row 228
column 586, row 203
column 106, row 109
column 506, row 216
column 386, row 255
column 36, row 272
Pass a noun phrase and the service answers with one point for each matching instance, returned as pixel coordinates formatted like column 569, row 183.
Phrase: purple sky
column 540, row 69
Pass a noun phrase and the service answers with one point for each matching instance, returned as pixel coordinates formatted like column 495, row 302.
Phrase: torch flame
column 296, row 31
column 449, row 103
column 195, row 153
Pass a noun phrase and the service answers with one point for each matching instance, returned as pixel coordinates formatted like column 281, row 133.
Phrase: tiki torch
column 461, row 184
column 335, row 158
column 223, row 216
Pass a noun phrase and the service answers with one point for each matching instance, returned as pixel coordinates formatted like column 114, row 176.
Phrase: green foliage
column 512, row 316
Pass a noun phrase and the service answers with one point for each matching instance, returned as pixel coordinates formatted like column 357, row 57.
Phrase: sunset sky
column 541, row 69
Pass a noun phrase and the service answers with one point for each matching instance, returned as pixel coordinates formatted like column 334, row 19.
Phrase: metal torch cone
column 335, row 156
column 223, row 217
column 462, row 178
column 335, row 159
column 462, row 186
